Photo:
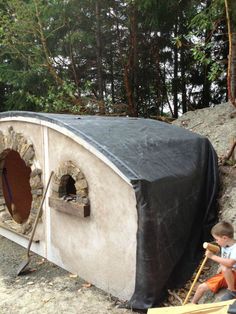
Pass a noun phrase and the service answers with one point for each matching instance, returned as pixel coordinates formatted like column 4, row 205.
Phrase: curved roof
column 140, row 148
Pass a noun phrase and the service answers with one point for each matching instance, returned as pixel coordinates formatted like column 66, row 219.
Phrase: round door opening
column 16, row 186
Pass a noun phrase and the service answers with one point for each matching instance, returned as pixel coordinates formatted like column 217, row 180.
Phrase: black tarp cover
column 175, row 177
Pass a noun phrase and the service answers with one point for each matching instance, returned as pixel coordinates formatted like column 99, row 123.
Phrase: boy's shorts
column 218, row 282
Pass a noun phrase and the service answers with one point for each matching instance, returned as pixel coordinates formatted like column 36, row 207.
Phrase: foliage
column 208, row 21
column 136, row 57
column 57, row 100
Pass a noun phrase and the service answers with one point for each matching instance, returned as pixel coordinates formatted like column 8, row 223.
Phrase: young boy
column 223, row 233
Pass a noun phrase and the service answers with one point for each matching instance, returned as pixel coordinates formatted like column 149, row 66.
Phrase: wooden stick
column 195, row 280
column 175, row 296
column 215, row 250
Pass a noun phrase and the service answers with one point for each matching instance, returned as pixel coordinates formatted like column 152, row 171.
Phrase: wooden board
column 217, row 308
column 69, row 208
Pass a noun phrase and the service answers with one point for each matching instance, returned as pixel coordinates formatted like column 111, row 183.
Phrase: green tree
column 130, row 57
column 31, row 56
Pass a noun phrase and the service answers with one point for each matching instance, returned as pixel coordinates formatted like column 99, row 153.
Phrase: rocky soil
column 218, row 124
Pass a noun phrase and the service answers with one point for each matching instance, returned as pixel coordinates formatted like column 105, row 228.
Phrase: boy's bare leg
column 201, row 289
column 230, row 282
column 229, row 278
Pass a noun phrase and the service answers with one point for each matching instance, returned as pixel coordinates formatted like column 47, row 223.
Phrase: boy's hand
column 209, row 254
column 219, row 270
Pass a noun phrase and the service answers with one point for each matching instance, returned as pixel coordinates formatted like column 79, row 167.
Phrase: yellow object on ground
column 217, row 308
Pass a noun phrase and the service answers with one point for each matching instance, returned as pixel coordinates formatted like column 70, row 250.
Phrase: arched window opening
column 67, row 189
column 70, row 191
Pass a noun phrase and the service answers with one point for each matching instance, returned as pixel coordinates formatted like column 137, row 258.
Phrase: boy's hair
column 223, row 228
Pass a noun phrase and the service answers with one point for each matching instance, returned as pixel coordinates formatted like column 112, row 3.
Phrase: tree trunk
column 206, row 91
column 99, row 57
column 112, row 79
column 230, row 6
column 175, row 79
column 233, row 68
column 183, row 62
column 183, row 80
column 130, row 66
column 158, row 75
column 134, row 44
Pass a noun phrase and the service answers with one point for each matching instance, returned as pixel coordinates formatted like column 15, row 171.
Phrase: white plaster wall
column 101, row 248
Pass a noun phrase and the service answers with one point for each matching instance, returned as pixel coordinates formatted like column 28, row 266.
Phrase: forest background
column 144, row 58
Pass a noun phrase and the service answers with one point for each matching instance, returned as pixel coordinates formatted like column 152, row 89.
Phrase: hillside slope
column 218, row 124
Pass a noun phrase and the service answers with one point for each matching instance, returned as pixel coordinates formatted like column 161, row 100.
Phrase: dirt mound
column 218, row 124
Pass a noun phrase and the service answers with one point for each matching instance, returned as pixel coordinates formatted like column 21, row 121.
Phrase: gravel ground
column 46, row 288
